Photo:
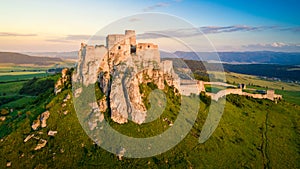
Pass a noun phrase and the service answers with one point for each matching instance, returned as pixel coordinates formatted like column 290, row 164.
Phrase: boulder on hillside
column 44, row 117
column 28, row 138
column 36, row 123
column 42, row 143
column 52, row 133
column 41, row 120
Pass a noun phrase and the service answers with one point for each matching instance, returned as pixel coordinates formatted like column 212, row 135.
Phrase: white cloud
column 9, row 34
column 275, row 46
column 158, row 5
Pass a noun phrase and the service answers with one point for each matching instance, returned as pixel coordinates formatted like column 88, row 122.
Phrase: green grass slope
column 251, row 134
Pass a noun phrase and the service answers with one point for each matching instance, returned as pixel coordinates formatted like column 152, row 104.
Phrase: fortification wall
column 114, row 39
column 148, row 52
column 222, row 93
column 90, row 57
column 219, row 84
column 188, row 87
column 167, row 66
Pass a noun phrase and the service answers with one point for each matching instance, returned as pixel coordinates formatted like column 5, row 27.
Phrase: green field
column 10, row 88
column 235, row 78
column 17, row 68
column 18, row 76
column 290, row 96
column 214, row 88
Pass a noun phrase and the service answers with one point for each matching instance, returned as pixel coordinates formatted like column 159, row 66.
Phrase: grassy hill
column 17, row 58
column 251, row 134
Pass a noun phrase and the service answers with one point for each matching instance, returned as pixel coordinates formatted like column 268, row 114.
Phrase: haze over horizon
column 60, row 26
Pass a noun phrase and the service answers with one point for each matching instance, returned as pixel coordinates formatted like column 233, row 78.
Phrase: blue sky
column 35, row 25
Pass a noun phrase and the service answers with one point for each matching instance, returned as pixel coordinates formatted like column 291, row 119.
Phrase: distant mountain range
column 260, row 57
column 18, row 58
column 64, row 55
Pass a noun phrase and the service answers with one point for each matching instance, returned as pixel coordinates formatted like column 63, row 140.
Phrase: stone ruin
column 122, row 65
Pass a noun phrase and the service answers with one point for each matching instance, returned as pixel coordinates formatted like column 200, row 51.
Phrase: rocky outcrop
column 68, row 97
column 95, row 116
column 125, row 97
column 103, row 104
column 121, row 153
column 44, row 117
column 8, row 164
column 41, row 120
column 61, row 82
column 36, row 123
column 2, row 118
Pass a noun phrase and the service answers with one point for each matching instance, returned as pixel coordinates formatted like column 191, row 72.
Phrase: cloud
column 234, row 28
column 134, row 19
column 9, row 34
column 74, row 38
column 169, row 33
column 188, row 32
column 292, row 29
column 158, row 5
column 275, row 46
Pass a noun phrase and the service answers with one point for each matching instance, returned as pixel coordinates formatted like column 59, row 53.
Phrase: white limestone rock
column 52, row 133
column 42, row 143
column 44, row 117
column 28, row 138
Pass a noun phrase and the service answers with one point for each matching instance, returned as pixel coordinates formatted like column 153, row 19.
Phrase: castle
column 124, row 48
column 122, row 65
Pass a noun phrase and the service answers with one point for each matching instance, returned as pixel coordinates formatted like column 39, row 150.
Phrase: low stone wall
column 218, row 84
column 270, row 94
column 188, row 87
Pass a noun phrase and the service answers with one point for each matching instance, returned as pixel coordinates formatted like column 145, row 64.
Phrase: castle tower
column 270, row 94
column 112, row 40
column 130, row 34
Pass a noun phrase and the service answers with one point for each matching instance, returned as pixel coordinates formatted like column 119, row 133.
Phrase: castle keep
column 119, row 44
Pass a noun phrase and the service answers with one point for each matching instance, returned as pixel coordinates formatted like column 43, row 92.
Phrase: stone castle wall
column 270, row 94
column 148, row 52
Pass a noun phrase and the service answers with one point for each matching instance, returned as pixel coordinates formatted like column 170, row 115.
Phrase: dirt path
column 264, row 144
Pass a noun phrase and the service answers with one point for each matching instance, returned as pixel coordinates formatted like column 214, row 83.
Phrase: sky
column 61, row 25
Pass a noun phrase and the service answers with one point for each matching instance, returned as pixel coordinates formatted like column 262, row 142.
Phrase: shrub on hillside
column 36, row 86
column 4, row 112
